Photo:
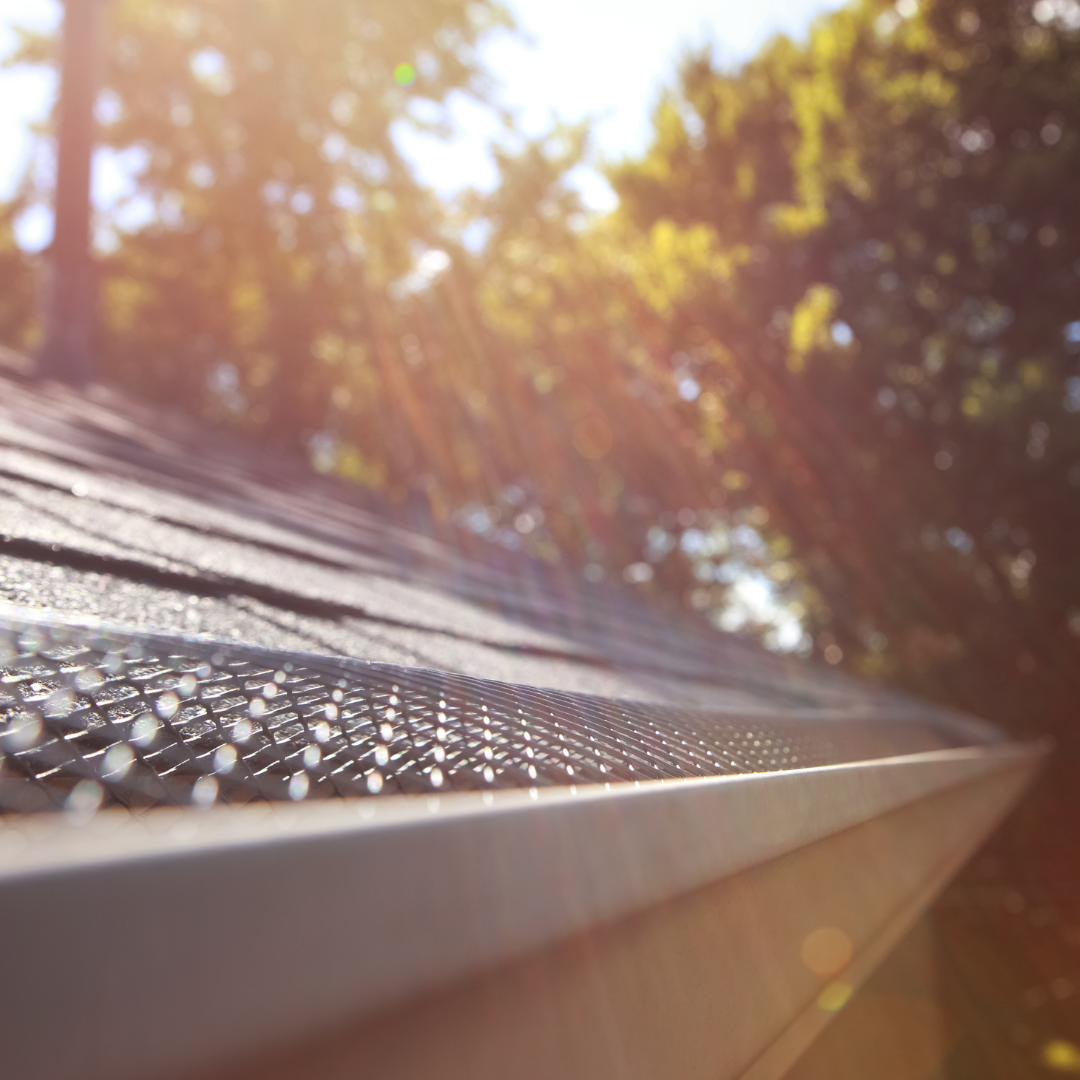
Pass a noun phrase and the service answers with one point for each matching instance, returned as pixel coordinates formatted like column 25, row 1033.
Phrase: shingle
column 110, row 509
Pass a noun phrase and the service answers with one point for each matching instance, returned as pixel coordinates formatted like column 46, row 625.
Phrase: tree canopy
column 898, row 344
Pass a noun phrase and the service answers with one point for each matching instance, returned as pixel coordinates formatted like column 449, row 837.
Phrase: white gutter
column 172, row 943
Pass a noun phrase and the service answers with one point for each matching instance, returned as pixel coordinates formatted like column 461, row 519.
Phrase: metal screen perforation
column 90, row 717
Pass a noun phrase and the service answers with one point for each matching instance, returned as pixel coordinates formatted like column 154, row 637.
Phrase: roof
column 124, row 512
column 256, row 568
column 190, row 619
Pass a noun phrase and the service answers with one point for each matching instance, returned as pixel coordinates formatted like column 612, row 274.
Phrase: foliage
column 18, row 284
column 280, row 208
column 900, row 364
column 282, row 270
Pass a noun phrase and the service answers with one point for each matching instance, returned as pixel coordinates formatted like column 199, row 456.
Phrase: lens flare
column 826, row 951
column 834, row 997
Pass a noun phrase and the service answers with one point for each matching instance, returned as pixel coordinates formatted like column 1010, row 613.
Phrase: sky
column 605, row 59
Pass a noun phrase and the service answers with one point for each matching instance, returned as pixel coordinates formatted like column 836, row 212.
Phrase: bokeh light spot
column 404, row 74
column 835, row 996
column 826, row 950
column 1062, row 1056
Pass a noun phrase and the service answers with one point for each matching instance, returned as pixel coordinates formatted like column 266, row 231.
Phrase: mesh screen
column 92, row 717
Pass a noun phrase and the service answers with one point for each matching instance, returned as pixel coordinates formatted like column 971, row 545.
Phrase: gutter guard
column 170, row 934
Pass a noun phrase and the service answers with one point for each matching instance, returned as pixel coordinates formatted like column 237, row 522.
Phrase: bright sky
column 601, row 58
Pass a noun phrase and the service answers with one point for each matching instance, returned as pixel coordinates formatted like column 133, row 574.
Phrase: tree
column 272, row 204
column 893, row 353
column 280, row 269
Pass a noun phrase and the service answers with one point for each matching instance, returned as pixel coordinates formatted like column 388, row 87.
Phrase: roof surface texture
column 114, row 510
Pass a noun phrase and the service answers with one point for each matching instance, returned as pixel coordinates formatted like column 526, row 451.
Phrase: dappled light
column 810, row 375
column 814, row 377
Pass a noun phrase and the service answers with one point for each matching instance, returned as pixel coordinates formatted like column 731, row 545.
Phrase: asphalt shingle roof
column 116, row 510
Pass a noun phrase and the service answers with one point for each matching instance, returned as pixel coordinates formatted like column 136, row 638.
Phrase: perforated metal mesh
column 92, row 717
